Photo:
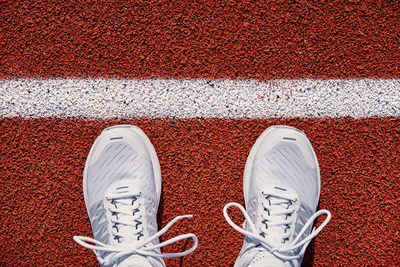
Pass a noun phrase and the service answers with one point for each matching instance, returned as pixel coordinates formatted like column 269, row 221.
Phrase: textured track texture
column 202, row 161
column 202, row 39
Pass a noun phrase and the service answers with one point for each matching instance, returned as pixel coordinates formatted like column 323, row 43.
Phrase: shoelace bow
column 119, row 251
column 279, row 250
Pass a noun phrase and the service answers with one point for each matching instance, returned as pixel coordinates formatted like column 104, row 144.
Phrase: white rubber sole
column 105, row 134
column 250, row 159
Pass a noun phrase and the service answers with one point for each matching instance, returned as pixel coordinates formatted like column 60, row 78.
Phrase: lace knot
column 142, row 248
column 285, row 252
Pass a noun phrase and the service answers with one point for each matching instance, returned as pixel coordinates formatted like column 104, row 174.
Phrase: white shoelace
column 140, row 248
column 279, row 250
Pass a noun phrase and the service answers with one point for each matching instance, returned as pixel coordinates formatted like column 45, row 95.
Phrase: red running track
column 41, row 163
column 193, row 39
column 42, row 206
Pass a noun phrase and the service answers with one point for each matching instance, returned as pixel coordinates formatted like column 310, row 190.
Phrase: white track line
column 111, row 98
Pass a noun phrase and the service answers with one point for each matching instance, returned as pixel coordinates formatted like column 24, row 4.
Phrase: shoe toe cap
column 120, row 133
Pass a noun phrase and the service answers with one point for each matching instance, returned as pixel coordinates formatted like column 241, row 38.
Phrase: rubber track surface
column 200, row 39
column 42, row 207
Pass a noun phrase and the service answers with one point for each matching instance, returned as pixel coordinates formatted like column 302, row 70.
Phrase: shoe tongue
column 135, row 261
column 276, row 193
column 266, row 259
column 128, row 190
column 280, row 191
column 130, row 185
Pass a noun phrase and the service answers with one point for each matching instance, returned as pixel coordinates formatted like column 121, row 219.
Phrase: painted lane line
column 156, row 98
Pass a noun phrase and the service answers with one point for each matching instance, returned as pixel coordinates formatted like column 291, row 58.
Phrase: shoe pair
column 122, row 188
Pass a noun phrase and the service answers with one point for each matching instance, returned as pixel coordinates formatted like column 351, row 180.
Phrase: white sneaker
column 122, row 188
column 281, row 187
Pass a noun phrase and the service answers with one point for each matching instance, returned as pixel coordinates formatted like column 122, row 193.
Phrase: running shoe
column 122, row 188
column 281, row 187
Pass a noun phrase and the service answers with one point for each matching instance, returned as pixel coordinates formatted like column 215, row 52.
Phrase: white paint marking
column 117, row 98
